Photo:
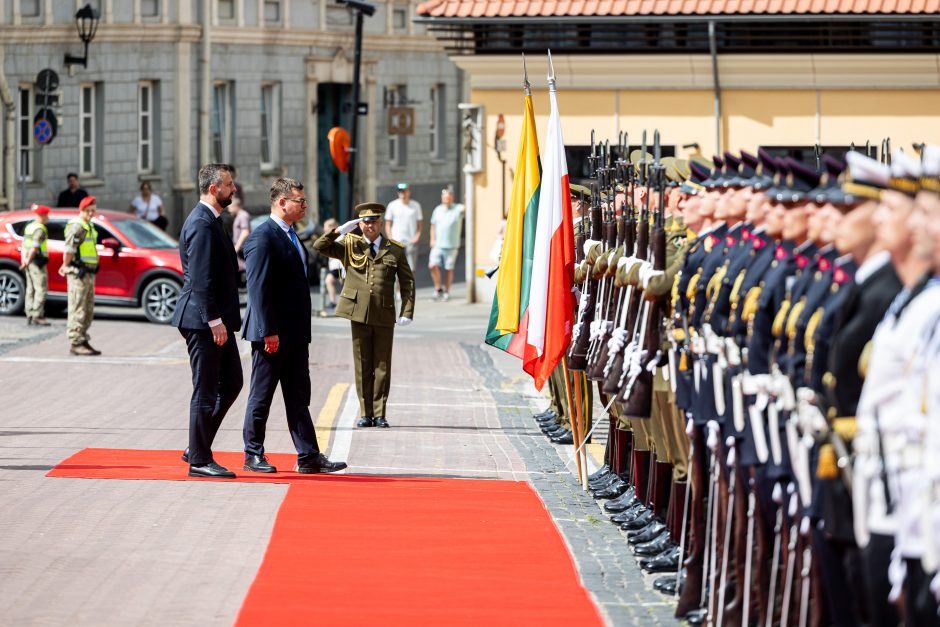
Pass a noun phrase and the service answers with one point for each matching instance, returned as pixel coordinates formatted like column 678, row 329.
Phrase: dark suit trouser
column 289, row 366
column 217, row 380
column 372, row 358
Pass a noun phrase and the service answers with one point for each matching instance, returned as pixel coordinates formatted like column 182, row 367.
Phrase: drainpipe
column 713, row 48
column 205, row 62
column 9, row 136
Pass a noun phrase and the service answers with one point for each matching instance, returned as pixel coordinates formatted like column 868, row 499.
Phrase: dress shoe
column 566, row 438
column 635, row 510
column 366, row 422
column 600, row 473
column 211, row 470
column 185, row 455
column 552, row 429
column 320, row 464
column 548, row 413
column 41, row 322
column 622, row 503
column 548, row 421
column 670, row 584
column 655, row 547
column 81, row 350
column 258, row 463
column 648, row 533
column 93, row 350
column 639, row 522
column 663, row 563
column 381, row 422
column 612, row 491
column 696, row 617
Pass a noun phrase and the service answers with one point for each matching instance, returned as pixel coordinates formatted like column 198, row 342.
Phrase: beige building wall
column 749, row 119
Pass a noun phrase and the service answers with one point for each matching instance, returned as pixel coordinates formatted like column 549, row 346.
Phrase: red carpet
column 370, row 550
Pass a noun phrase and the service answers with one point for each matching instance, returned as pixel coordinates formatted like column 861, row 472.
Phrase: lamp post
column 86, row 21
column 362, row 9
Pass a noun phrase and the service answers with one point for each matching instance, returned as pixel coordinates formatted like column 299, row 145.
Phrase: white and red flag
column 551, row 302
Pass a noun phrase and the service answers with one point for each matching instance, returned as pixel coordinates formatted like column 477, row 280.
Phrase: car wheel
column 159, row 300
column 12, row 292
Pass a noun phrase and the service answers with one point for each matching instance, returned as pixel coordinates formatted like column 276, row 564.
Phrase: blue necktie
column 296, row 242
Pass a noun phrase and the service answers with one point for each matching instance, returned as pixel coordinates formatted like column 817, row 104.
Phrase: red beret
column 40, row 210
column 87, row 200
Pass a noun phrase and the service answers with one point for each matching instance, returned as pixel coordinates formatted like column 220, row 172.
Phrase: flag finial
column 526, row 87
column 551, row 72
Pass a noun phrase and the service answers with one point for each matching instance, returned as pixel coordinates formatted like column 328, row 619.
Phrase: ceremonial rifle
column 577, row 352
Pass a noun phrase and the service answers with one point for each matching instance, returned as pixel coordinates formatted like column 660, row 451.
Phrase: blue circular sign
column 42, row 131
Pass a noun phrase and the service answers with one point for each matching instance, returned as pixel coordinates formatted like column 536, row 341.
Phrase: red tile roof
column 672, row 8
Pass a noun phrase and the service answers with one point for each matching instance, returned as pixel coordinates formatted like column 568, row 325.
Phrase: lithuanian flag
column 508, row 318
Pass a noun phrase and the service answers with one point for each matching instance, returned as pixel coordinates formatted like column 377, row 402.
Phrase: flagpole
column 575, row 431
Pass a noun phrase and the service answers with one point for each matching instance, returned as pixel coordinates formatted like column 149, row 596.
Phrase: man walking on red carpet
column 277, row 323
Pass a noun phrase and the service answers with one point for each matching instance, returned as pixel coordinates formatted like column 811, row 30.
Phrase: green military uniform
column 37, row 278
column 368, row 302
column 81, row 240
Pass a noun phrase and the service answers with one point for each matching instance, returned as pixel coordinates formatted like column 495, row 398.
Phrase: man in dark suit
column 207, row 315
column 277, row 323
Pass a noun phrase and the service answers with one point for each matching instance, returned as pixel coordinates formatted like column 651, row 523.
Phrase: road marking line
column 328, row 412
column 111, row 361
column 450, row 471
column 344, row 428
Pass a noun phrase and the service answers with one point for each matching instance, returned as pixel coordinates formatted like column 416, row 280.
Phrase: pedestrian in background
column 79, row 266
column 446, row 230
column 208, row 317
column 73, row 195
column 403, row 222
column 241, row 224
column 34, row 259
column 148, row 206
column 334, row 274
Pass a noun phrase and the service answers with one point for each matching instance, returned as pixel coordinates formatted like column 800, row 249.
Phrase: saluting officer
column 34, row 259
column 368, row 301
column 79, row 265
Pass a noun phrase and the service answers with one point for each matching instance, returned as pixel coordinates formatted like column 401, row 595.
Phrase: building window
column 438, row 122
column 397, row 144
column 145, row 141
column 225, row 9
column 150, row 8
column 399, row 19
column 24, row 140
column 222, row 119
column 270, row 125
column 88, row 122
column 30, row 8
column 272, row 11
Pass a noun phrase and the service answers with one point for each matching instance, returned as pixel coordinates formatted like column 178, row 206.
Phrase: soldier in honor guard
column 79, row 266
column 34, row 259
column 372, row 264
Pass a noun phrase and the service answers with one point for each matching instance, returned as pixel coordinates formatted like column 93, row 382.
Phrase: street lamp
column 86, row 20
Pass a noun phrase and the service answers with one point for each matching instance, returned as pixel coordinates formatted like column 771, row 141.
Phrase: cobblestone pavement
column 86, row 552
column 608, row 569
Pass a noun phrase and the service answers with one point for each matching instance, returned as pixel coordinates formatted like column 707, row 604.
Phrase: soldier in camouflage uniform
column 79, row 265
column 34, row 259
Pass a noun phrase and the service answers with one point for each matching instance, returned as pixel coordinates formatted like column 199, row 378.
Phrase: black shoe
column 548, row 413
column 639, row 522
column 211, row 470
column 600, row 484
column 662, row 563
column 602, row 472
column 629, row 514
column 320, row 464
column 185, row 455
column 622, row 503
column 258, row 463
column 667, row 584
column 696, row 617
column 648, row 533
column 552, row 429
column 613, row 491
column 566, row 438
column 551, row 419
column 366, row 422
column 657, row 546
column 381, row 422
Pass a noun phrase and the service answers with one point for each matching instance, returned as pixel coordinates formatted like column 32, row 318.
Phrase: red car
column 139, row 265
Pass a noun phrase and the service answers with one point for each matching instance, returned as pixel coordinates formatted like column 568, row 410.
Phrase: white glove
column 349, row 226
column 403, row 321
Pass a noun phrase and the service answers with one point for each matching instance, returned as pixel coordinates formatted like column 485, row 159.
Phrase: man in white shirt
column 403, row 223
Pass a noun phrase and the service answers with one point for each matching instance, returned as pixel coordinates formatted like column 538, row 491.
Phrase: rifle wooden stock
column 694, row 563
column 734, row 609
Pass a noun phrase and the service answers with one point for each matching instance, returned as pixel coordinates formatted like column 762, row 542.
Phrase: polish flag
column 551, row 303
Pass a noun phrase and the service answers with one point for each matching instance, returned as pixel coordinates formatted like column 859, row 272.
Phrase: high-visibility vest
column 87, row 250
column 29, row 236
